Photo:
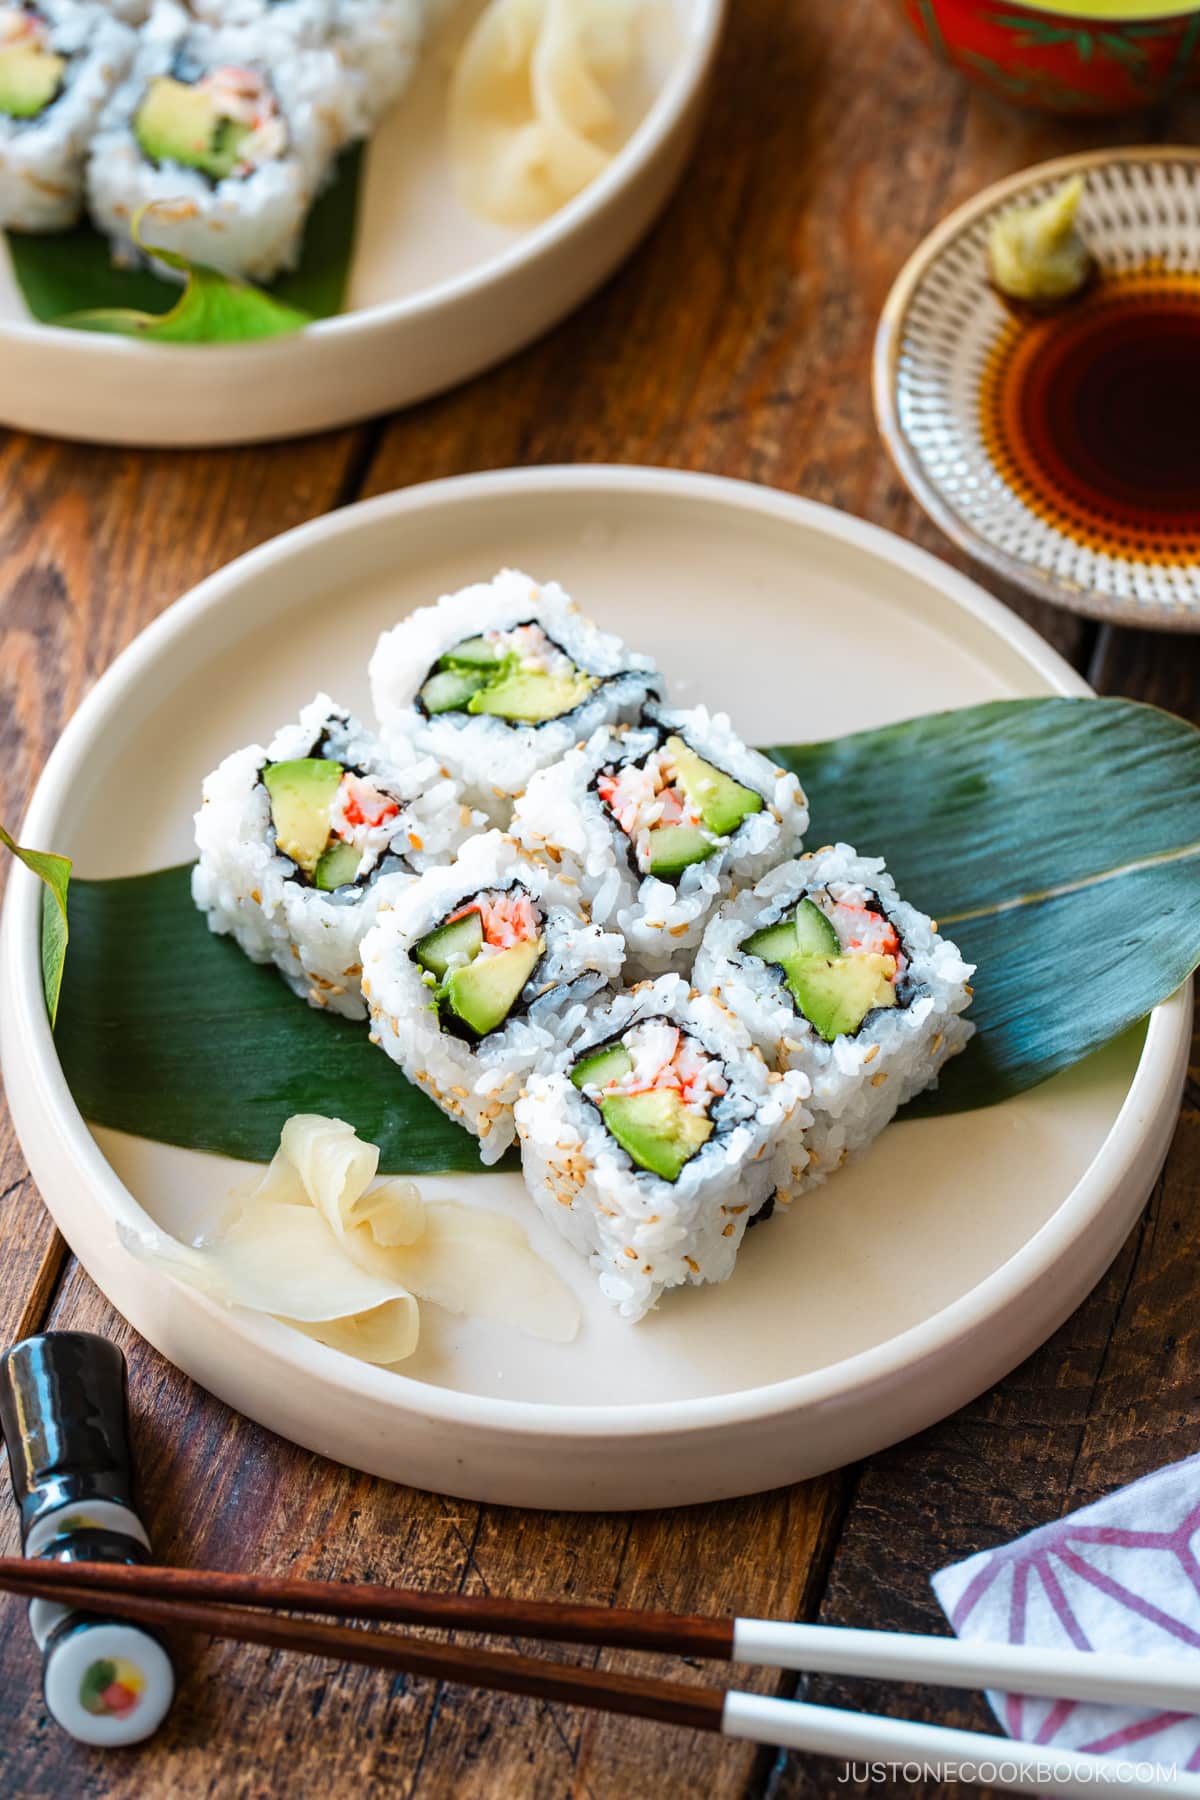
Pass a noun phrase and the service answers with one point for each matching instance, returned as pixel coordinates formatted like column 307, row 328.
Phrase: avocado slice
column 674, row 848
column 302, row 795
column 807, row 933
column 530, row 696
column 30, row 78
column 179, row 123
column 722, row 802
column 835, row 993
column 449, row 690
column 610, row 1063
column 450, row 945
column 482, row 993
column 656, row 1129
column 338, row 866
column 472, row 653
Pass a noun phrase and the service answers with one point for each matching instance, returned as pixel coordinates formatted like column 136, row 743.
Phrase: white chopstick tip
column 1162, row 1684
column 965, row 1756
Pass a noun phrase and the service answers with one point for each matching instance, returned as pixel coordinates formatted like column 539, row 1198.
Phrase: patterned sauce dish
column 1061, row 450
column 1080, row 57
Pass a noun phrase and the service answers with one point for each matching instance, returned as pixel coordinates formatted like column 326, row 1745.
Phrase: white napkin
column 1122, row 1575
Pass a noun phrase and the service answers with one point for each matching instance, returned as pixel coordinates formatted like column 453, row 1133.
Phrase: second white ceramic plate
column 436, row 294
column 895, row 1293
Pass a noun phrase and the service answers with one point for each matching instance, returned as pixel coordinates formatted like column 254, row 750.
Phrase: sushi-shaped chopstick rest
column 63, row 1412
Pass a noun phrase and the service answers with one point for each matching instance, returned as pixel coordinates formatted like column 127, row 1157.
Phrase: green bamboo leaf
column 64, row 274
column 1058, row 841
column 211, row 309
column 55, row 872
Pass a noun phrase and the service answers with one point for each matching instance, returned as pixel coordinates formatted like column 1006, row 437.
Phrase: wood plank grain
column 34, row 1253
column 1160, row 668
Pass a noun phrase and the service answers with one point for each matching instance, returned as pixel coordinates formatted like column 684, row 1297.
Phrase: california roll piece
column 301, row 843
column 476, row 973
column 226, row 136
column 658, row 821
column 656, row 1139
column 59, row 65
column 501, row 679
column 837, row 976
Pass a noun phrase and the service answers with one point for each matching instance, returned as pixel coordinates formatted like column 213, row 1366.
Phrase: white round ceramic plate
column 944, row 344
column 435, row 293
column 896, row 1293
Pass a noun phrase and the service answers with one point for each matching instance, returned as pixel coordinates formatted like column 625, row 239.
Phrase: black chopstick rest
column 64, row 1416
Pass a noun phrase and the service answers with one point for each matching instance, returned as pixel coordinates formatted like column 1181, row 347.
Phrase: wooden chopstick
column 668, row 1702
column 1162, row 1683
column 554, row 1621
column 757, row 1718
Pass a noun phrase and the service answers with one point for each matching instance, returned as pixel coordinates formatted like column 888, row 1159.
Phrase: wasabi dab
column 1036, row 255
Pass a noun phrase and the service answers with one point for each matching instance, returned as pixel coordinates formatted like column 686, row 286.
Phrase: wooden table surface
column 737, row 340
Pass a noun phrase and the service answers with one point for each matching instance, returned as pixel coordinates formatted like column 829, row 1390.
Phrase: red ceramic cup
column 1091, row 58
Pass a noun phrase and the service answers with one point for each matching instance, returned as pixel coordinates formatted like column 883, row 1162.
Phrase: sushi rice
column 42, row 151
column 302, row 21
column 641, row 1232
column 574, row 813
column 380, row 40
column 249, row 889
column 476, row 1079
column 859, row 1079
column 495, row 757
column 376, row 41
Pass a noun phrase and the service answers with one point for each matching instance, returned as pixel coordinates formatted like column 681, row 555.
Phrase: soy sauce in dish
column 1092, row 414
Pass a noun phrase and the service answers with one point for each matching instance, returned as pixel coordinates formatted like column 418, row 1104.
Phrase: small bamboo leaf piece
column 212, row 308
column 55, row 872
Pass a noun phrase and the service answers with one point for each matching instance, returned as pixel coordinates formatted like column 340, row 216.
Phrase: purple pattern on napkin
column 1121, row 1575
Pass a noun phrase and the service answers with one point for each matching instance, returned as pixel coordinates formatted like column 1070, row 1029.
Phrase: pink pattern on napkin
column 1120, row 1575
